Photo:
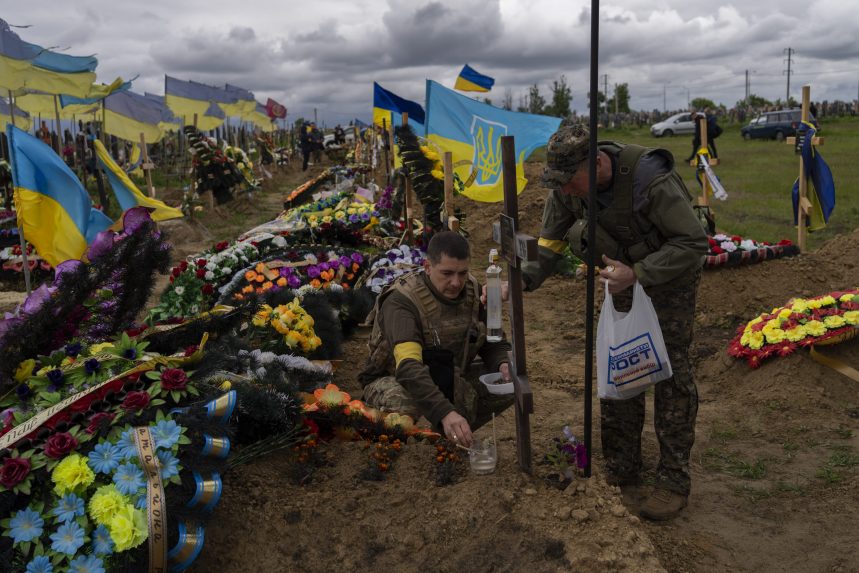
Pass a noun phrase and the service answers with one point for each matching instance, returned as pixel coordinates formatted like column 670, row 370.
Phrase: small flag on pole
column 471, row 81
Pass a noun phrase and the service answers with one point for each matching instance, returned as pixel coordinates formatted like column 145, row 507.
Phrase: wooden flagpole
column 146, row 165
column 804, row 207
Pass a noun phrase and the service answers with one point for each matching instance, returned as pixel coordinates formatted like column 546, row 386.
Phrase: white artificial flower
column 279, row 242
column 310, row 258
column 194, row 309
column 728, row 246
column 209, row 275
column 721, row 237
column 748, row 245
column 179, row 290
column 226, row 271
column 210, row 266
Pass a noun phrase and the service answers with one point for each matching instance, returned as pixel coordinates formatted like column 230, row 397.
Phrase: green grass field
column 759, row 174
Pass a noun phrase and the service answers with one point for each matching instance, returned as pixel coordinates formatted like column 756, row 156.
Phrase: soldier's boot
column 663, row 504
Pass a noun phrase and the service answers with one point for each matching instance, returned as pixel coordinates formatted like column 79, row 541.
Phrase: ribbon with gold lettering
column 156, row 502
column 28, row 427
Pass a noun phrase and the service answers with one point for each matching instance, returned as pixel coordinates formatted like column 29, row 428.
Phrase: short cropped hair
column 450, row 244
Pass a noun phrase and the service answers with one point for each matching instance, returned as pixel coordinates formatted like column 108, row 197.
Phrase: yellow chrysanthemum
column 394, row 419
column 72, row 474
column 128, row 528
column 795, row 334
column 327, row 219
column 774, row 336
column 773, row 324
column 815, row 328
column 262, row 316
column 827, row 300
column 105, row 502
column 756, row 340
column 852, row 317
column 339, row 215
column 437, row 173
column 350, row 211
column 834, row 321
column 799, row 305
column 312, row 219
column 784, row 313
column 281, row 327
column 292, row 338
column 847, row 298
column 815, row 303
column 25, row 370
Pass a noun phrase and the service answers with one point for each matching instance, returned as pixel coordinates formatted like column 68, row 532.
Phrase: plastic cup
column 483, row 456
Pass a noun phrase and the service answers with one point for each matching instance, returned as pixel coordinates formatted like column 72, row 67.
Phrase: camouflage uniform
column 646, row 221
column 411, row 312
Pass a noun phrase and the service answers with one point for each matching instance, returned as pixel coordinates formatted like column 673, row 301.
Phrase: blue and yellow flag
column 384, row 99
column 127, row 115
column 186, row 98
column 470, row 81
column 472, row 132
column 823, row 198
column 26, row 66
column 22, row 118
column 127, row 193
column 54, row 210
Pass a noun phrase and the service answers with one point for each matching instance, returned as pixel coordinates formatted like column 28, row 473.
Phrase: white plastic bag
column 631, row 352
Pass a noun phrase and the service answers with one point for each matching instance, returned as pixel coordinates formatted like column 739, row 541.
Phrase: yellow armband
column 406, row 350
column 553, row 245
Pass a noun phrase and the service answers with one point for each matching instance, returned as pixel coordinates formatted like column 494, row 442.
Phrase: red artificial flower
column 201, row 273
column 14, row 471
column 97, row 420
column 201, row 262
column 717, row 250
column 312, row 427
column 135, row 401
column 57, row 419
column 135, row 330
column 183, row 265
column 173, row 379
column 207, row 289
column 221, row 246
column 189, row 350
column 754, row 361
column 735, row 348
column 713, row 242
column 60, row 444
column 176, row 272
column 736, row 238
column 785, row 243
column 83, row 404
column 786, row 348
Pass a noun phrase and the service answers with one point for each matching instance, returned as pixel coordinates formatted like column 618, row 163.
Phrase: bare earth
column 774, row 464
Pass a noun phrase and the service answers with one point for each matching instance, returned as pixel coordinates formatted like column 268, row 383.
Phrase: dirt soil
column 774, row 465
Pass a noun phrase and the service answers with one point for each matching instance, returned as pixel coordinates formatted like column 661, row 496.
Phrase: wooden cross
column 797, row 142
column 451, row 222
column 516, row 247
column 410, row 239
column 704, row 199
column 146, row 165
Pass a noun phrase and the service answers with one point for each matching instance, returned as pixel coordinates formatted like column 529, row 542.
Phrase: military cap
column 566, row 151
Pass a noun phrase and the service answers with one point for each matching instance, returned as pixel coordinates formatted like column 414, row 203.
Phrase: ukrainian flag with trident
column 472, row 132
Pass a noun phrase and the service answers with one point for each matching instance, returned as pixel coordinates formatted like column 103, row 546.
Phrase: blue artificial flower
column 55, row 377
column 26, row 525
column 86, row 564
column 102, row 544
column 104, row 458
column 126, row 445
column 169, row 464
column 23, row 391
column 91, row 366
column 141, row 502
column 68, row 507
column 73, row 349
column 166, row 434
column 130, row 353
column 68, row 538
column 128, row 479
column 40, row 564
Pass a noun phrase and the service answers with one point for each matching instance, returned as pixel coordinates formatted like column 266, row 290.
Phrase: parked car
column 775, row 125
column 677, row 124
column 349, row 136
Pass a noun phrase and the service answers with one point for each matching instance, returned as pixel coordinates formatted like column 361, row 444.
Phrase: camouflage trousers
column 675, row 399
column 471, row 400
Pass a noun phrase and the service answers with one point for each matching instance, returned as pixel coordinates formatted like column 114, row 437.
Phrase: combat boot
column 663, row 504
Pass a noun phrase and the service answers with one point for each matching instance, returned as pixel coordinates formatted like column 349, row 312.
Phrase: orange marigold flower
column 260, row 268
column 281, row 282
column 250, row 276
column 315, row 283
column 331, row 396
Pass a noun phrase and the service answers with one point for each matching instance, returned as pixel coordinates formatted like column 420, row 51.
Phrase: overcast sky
column 325, row 54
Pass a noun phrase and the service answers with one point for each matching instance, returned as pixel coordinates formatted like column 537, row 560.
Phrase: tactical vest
column 622, row 233
column 455, row 327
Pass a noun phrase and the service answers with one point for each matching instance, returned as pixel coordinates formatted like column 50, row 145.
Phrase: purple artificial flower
column 23, row 391
column 353, row 218
column 357, row 258
column 102, row 245
column 293, row 281
column 68, row 266
column 55, row 376
column 135, row 218
column 92, row 365
column 345, row 261
column 324, row 266
column 313, row 271
column 73, row 349
column 37, row 298
column 130, row 353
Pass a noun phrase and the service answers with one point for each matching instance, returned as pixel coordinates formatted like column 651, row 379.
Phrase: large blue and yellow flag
column 26, row 66
column 187, row 98
column 127, row 115
column 22, row 118
column 127, row 193
column 54, row 210
column 472, row 132
column 471, row 81
column 823, row 198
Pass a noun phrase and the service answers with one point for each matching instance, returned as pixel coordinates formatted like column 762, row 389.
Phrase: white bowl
column 491, row 383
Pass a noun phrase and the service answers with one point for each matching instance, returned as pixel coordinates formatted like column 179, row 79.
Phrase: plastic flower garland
column 802, row 322
column 292, row 323
column 392, row 264
column 722, row 243
column 321, row 270
column 92, row 507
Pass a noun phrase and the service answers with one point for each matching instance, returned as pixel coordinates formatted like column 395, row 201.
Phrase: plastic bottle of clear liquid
column 494, row 333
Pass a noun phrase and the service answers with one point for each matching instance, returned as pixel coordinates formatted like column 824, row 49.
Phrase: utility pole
column 605, row 91
column 615, row 99
column 790, row 52
column 747, row 87
column 314, row 116
column 664, row 90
